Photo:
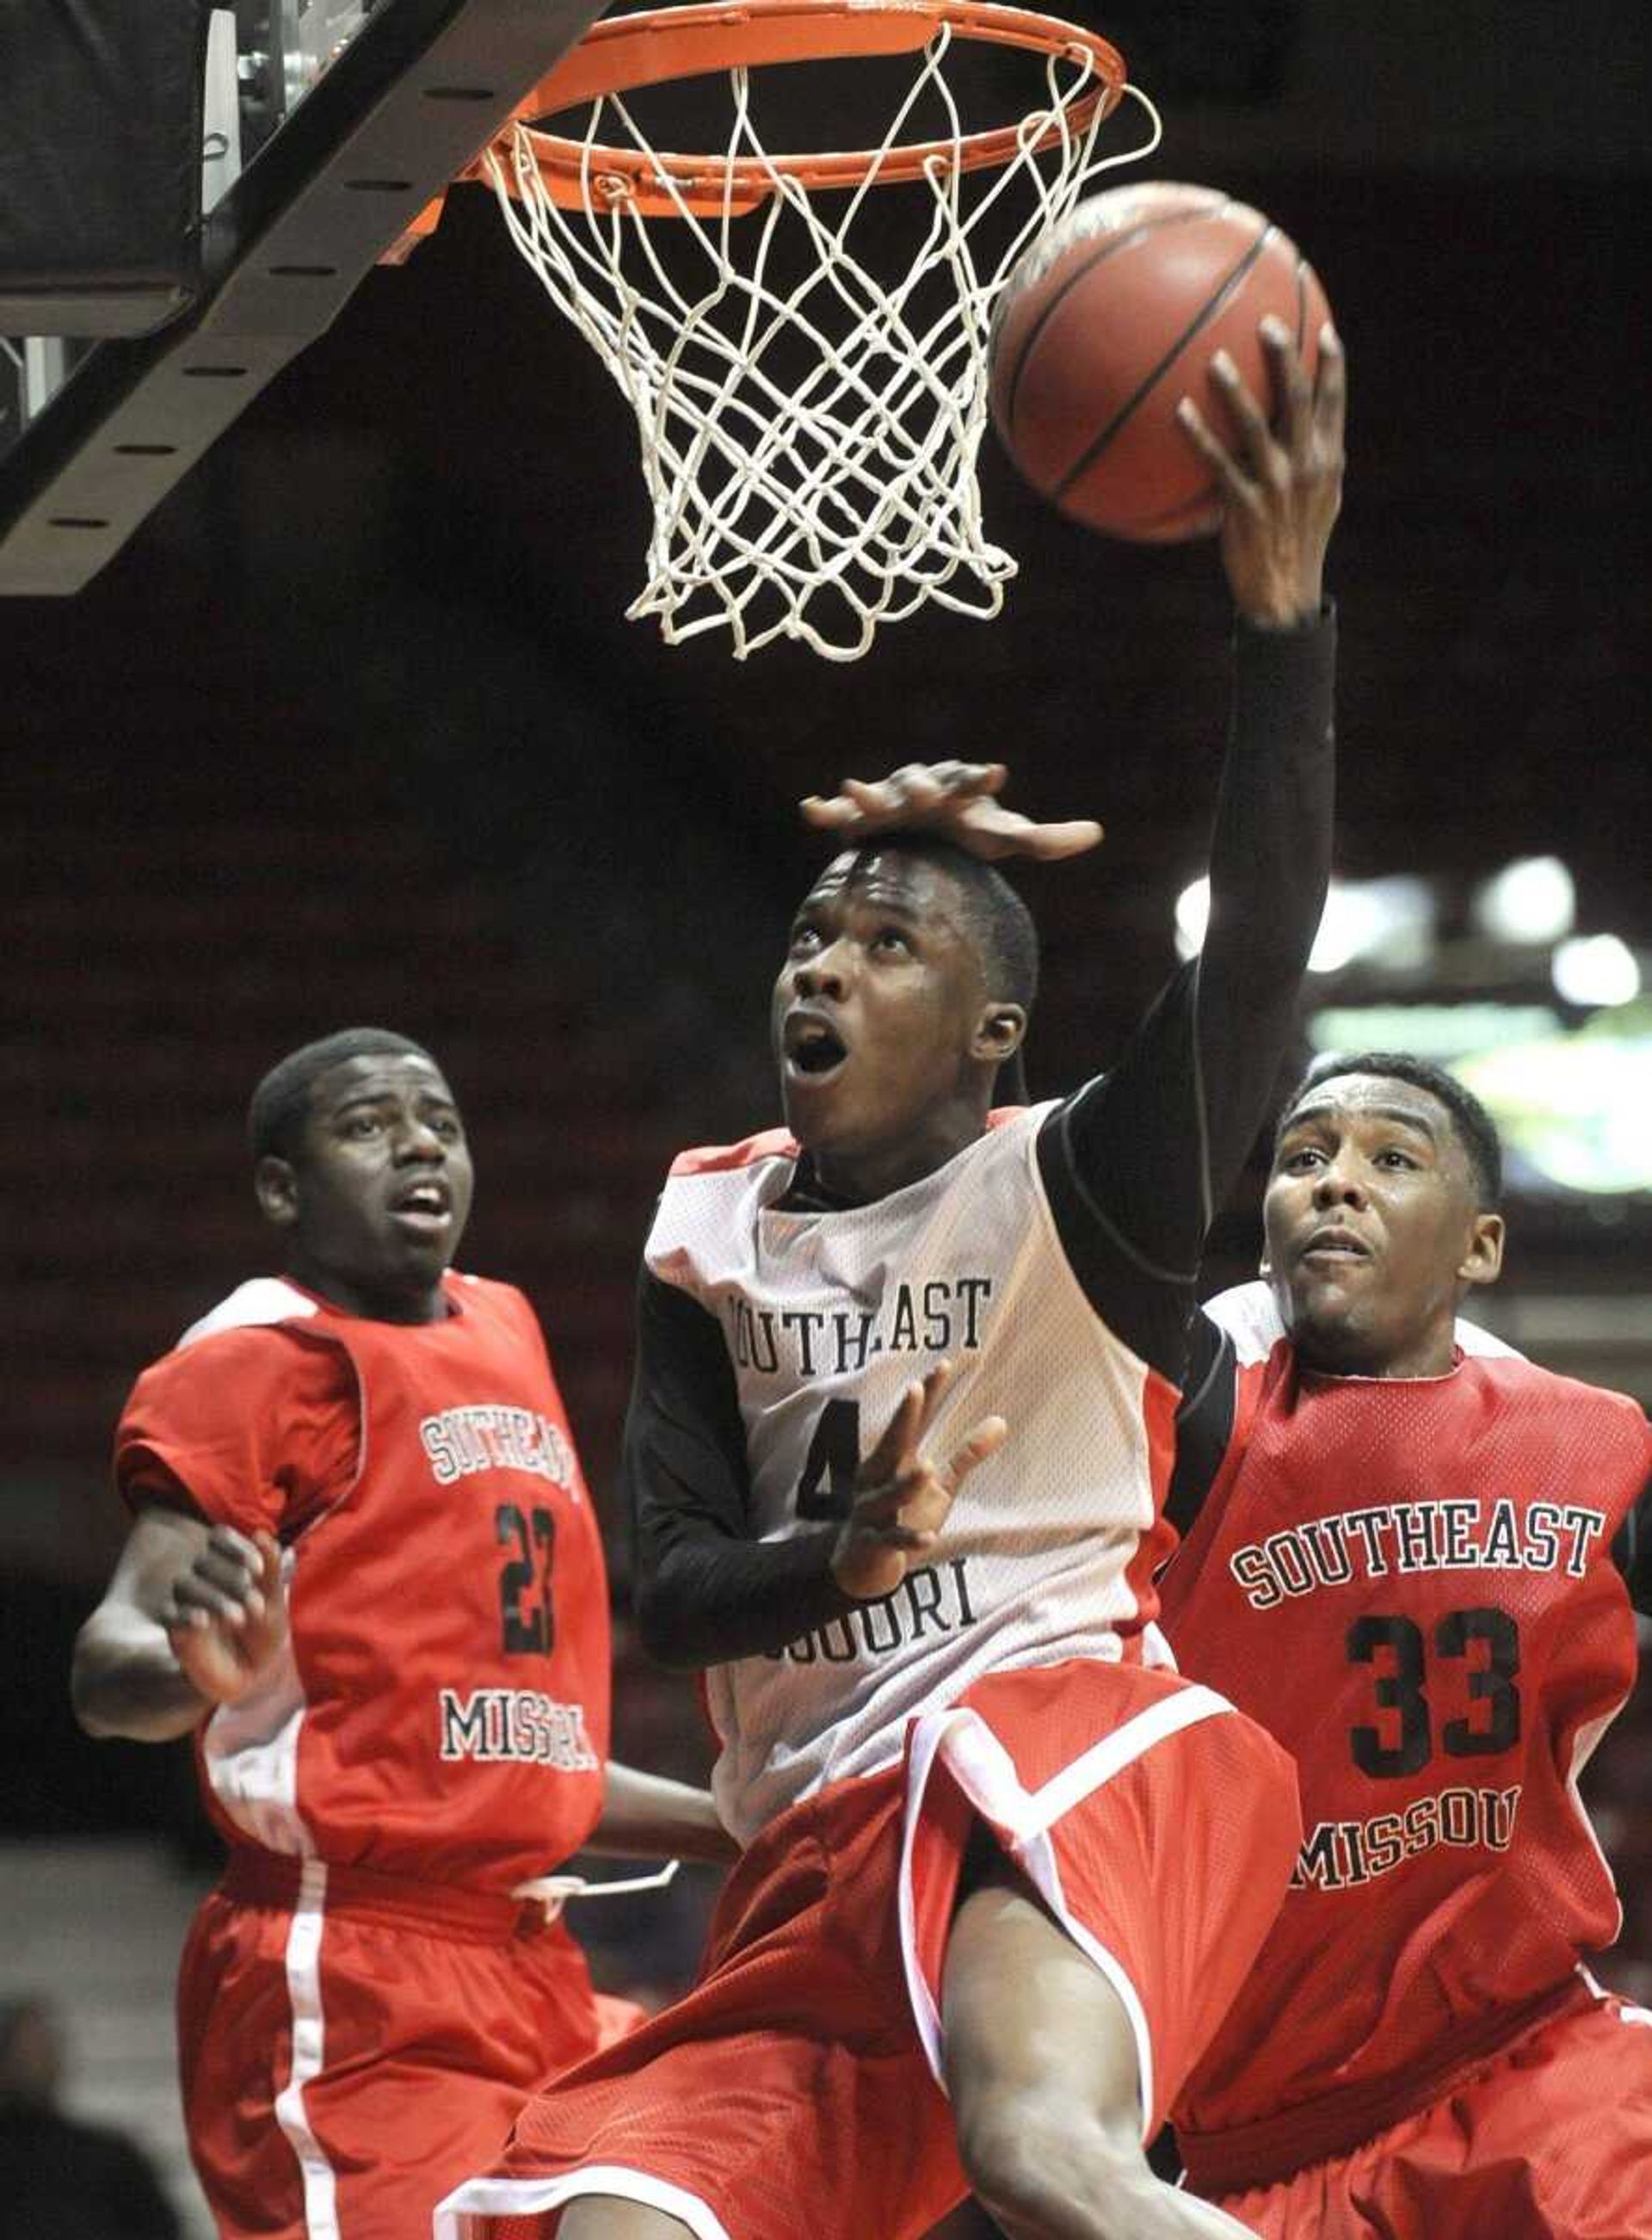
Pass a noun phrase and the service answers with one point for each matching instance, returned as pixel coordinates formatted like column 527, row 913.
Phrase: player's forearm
column 125, row 1681
column 1199, row 1071
column 707, row 1600
column 1270, row 872
column 1274, row 811
column 646, row 1816
column 704, row 1590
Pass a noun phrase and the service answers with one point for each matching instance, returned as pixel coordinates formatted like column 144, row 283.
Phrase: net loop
column 810, row 420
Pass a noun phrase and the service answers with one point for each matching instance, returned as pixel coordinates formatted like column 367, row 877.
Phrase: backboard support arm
column 407, row 105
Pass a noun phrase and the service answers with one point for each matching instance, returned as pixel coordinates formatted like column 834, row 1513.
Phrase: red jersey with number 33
column 442, row 1708
column 1409, row 1583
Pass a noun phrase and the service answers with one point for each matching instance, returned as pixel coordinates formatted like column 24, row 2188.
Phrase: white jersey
column 826, row 1316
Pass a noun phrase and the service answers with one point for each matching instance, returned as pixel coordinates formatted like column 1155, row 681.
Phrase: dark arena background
column 354, row 730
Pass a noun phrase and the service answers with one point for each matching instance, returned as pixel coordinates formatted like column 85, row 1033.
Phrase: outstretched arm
column 646, row 1816
column 1138, row 1162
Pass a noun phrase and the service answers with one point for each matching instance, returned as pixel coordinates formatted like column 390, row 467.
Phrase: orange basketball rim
column 623, row 53
column 809, row 388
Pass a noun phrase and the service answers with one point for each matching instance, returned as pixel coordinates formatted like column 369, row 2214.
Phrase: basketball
column 1113, row 316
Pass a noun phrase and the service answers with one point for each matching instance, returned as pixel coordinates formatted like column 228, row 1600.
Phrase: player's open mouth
column 423, row 1207
column 812, row 1046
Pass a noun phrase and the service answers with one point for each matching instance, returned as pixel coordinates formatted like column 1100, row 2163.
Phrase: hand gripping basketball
column 1282, row 486
column 956, row 800
column 901, row 1498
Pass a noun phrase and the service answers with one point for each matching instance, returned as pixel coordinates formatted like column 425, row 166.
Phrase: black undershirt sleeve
column 1632, row 1552
column 1203, row 1422
column 1136, row 1165
column 704, row 1592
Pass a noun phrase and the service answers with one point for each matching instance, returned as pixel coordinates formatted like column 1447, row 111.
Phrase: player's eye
column 1302, row 1160
column 360, row 1125
column 803, row 939
column 446, row 1125
column 890, row 940
column 1394, row 1157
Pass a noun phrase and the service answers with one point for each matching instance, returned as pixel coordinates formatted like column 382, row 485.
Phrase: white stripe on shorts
column 527, row 2196
column 985, row 1772
column 308, row 2051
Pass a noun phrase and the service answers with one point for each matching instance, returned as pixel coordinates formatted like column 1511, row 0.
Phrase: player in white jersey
column 995, row 1853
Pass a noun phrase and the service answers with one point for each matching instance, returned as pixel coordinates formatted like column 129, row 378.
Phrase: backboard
column 326, row 126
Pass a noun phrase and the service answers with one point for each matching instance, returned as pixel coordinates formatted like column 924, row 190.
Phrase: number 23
column 528, row 1620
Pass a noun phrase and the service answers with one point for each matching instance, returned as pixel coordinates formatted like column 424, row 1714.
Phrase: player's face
column 1372, row 1228
column 879, row 1014
column 378, row 1199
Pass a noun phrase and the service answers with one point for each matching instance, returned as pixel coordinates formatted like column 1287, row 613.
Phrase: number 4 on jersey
column 826, row 1489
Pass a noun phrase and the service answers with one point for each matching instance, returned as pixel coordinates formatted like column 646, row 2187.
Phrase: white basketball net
column 809, row 446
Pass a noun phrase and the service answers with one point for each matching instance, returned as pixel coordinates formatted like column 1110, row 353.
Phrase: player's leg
column 233, row 1977
column 1044, row 2074
column 594, row 2218
column 787, row 2094
column 1094, row 1856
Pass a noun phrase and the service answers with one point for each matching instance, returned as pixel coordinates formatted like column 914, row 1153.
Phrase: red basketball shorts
column 1550, row 2140
column 793, row 2094
column 351, row 2044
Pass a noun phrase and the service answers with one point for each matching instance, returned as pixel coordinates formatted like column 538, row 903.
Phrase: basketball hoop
column 810, row 426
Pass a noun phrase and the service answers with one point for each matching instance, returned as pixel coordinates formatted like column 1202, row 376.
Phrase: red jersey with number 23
column 441, row 1708
column 1409, row 1583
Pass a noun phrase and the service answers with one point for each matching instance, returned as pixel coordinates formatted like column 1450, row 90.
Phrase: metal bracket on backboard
column 407, row 105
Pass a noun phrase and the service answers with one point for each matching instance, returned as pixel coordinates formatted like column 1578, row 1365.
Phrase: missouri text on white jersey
column 827, row 1316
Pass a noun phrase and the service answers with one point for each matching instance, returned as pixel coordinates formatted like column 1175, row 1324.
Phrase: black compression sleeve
column 1137, row 1163
column 705, row 1592
column 1203, row 1422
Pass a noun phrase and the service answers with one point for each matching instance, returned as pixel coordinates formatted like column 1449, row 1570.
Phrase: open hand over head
column 957, row 802
column 1282, row 486
column 902, row 1498
column 226, row 1618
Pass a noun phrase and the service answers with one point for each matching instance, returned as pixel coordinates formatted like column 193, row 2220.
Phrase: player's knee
column 1028, row 2152
column 996, row 2152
